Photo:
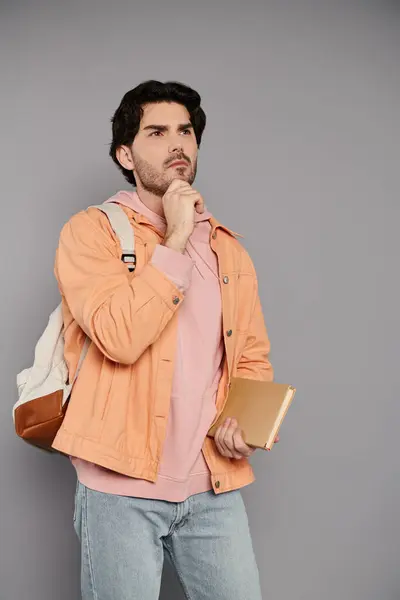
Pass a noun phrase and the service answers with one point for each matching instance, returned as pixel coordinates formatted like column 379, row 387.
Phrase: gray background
column 301, row 155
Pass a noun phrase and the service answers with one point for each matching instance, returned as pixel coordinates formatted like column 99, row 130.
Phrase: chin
column 183, row 176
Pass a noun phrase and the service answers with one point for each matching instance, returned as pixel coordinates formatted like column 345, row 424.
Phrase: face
column 165, row 137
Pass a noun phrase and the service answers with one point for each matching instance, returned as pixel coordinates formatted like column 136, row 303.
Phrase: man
column 165, row 342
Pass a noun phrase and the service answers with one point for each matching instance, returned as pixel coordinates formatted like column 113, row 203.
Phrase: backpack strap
column 123, row 229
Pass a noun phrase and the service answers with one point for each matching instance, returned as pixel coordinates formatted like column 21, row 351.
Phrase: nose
column 175, row 146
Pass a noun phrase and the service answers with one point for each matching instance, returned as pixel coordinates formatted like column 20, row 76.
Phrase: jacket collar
column 217, row 225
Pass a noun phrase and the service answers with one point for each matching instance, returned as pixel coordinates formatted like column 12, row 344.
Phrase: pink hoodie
column 183, row 470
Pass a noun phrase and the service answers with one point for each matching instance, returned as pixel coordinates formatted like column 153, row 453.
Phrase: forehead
column 164, row 113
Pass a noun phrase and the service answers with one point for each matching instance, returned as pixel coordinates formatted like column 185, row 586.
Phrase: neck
column 152, row 201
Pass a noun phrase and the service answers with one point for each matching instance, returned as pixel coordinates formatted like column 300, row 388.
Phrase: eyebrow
column 166, row 127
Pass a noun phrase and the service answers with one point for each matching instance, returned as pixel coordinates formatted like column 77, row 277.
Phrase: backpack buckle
column 130, row 260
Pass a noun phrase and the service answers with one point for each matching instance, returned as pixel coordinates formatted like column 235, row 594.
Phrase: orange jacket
column 118, row 410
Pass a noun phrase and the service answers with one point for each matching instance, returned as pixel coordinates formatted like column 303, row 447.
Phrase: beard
column 157, row 182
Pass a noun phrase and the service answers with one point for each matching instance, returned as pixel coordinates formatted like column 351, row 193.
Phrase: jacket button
column 175, row 300
column 217, row 484
column 229, row 332
column 226, row 279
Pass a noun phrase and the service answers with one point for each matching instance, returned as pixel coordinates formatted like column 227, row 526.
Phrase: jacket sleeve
column 122, row 313
column 254, row 360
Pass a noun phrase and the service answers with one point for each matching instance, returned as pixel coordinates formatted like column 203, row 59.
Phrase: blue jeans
column 123, row 540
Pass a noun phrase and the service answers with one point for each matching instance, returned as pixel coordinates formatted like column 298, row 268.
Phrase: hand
column 180, row 202
column 229, row 440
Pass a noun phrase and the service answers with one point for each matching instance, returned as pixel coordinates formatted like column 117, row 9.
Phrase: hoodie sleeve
column 176, row 266
column 122, row 313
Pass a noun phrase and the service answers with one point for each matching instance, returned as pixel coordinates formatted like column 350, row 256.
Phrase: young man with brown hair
column 165, row 342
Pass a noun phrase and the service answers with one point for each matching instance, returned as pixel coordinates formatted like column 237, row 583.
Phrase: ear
column 124, row 157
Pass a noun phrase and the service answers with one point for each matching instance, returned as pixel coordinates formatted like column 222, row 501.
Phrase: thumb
column 199, row 206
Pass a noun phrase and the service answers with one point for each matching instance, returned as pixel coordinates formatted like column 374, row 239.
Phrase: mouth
column 179, row 163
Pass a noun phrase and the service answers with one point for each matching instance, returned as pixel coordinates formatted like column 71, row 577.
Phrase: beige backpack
column 44, row 388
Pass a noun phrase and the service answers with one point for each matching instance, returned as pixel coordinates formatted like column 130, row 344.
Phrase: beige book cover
column 259, row 408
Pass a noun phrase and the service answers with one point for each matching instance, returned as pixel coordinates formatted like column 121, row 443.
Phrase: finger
column 224, row 429
column 177, row 184
column 228, row 439
column 240, row 445
column 189, row 191
column 222, row 438
column 199, row 205
column 198, row 202
column 217, row 440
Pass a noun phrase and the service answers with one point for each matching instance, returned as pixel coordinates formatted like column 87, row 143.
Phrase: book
column 259, row 408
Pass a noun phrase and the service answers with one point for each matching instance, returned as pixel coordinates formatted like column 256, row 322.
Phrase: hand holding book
column 229, row 440
column 251, row 416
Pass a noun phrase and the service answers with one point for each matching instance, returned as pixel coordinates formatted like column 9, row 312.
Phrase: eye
column 154, row 132
column 187, row 130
